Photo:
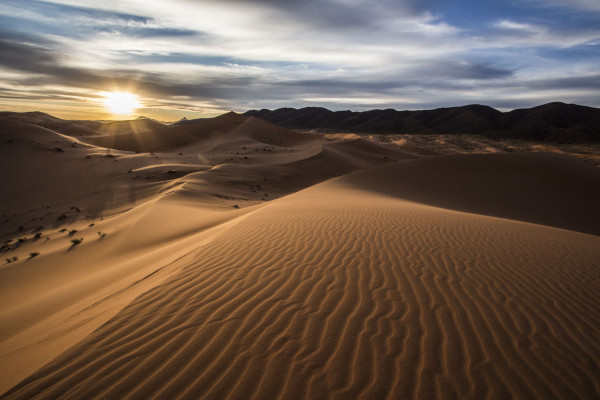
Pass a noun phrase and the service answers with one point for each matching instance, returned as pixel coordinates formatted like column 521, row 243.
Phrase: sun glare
column 121, row 103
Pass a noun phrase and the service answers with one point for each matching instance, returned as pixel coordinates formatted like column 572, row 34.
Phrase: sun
column 120, row 103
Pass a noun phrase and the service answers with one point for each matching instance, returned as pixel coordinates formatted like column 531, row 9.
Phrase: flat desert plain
column 230, row 258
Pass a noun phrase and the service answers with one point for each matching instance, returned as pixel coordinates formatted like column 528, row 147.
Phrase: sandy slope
column 542, row 188
column 337, row 292
column 136, row 214
column 416, row 279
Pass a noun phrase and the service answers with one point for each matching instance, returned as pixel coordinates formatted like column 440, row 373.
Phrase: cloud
column 587, row 5
column 238, row 54
column 341, row 15
column 589, row 83
column 452, row 69
column 40, row 68
column 41, row 62
column 56, row 19
column 517, row 26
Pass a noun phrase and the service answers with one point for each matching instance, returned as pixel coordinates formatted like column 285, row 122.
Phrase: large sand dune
column 467, row 276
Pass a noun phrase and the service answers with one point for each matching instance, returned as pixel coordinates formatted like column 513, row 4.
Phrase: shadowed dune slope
column 342, row 291
column 147, row 135
column 49, row 173
column 541, row 188
column 132, row 126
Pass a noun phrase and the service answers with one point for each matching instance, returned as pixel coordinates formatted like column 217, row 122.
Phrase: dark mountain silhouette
column 181, row 121
column 556, row 122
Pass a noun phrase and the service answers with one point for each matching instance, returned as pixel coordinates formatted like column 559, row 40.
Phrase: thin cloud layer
column 185, row 57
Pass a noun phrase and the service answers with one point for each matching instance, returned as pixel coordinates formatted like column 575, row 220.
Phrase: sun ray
column 120, row 103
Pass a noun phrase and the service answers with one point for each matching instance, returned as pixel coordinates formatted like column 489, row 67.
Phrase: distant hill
column 144, row 135
column 65, row 126
column 138, row 125
column 555, row 122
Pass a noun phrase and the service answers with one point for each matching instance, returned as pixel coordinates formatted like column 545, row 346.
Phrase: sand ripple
column 338, row 293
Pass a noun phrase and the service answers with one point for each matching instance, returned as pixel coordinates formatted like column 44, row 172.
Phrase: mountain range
column 553, row 122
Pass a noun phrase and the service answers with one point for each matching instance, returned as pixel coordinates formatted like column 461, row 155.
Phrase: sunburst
column 121, row 103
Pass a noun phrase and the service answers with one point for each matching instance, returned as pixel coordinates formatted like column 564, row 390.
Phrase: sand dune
column 359, row 296
column 147, row 135
column 136, row 126
column 67, row 127
column 263, row 275
column 135, row 215
column 542, row 188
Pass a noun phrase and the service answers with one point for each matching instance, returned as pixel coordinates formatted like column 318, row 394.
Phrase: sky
column 200, row 58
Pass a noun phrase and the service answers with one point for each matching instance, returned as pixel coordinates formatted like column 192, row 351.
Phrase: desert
column 231, row 257
column 311, row 200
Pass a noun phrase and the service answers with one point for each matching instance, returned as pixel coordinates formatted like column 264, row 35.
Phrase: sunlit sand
column 233, row 258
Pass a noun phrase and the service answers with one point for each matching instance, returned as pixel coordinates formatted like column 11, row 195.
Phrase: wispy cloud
column 234, row 54
column 588, row 5
column 517, row 26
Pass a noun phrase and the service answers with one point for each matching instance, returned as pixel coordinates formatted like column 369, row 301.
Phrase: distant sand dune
column 146, row 136
column 353, row 294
